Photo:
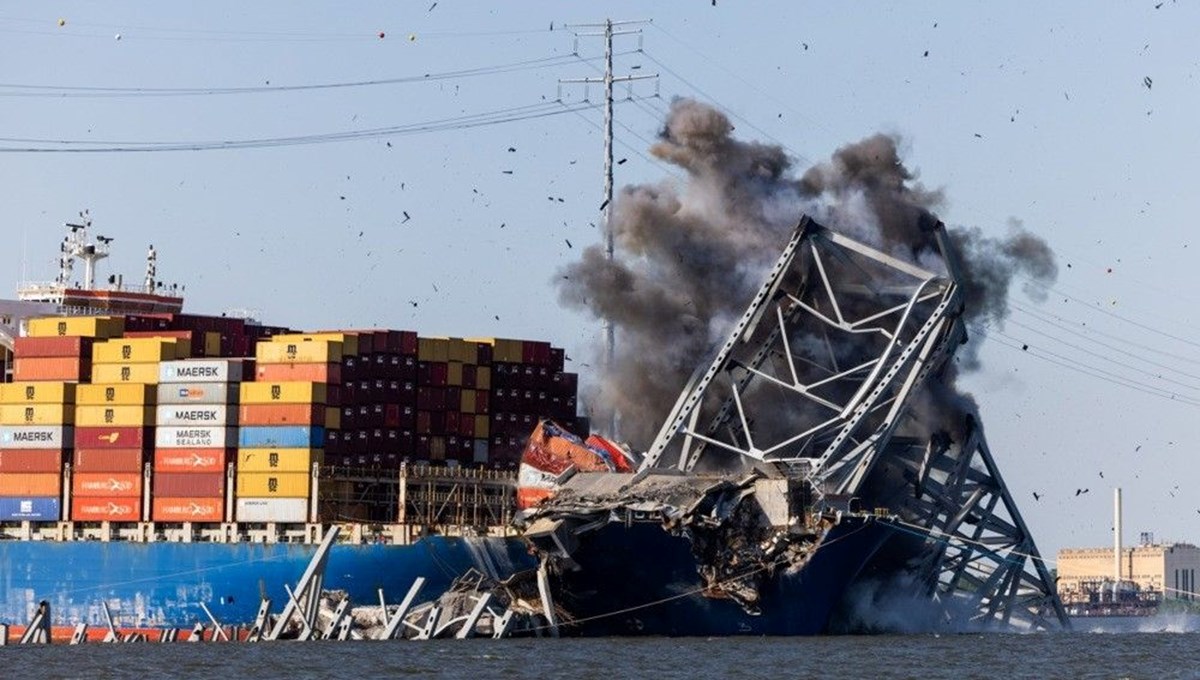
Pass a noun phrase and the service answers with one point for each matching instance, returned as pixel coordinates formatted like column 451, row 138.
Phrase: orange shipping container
column 191, row 460
column 188, row 510
column 69, row 369
column 106, row 484
column 323, row 373
column 106, row 509
column 282, row 414
column 31, row 460
column 109, row 460
column 30, row 484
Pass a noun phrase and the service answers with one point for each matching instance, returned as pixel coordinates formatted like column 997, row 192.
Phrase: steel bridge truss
column 817, row 376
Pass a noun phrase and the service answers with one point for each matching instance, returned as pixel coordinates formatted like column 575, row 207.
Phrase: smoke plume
column 691, row 254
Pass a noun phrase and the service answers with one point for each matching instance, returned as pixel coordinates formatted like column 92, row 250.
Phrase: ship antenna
column 151, row 270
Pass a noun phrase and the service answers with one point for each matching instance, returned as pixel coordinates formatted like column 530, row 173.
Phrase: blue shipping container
column 37, row 509
column 281, row 436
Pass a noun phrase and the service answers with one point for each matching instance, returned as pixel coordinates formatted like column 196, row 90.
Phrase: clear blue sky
column 1019, row 111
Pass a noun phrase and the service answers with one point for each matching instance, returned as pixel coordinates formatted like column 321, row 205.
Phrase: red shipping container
column 109, row 460
column 408, row 342
column 391, row 415
column 113, row 437
column 191, row 461
column 481, row 401
column 483, row 354
column 31, row 460
column 469, row 372
column 188, row 509
column 106, row 484
column 69, row 346
column 466, row 426
column 67, row 369
column 424, row 422
column 106, row 509
column 322, row 373
column 188, row 484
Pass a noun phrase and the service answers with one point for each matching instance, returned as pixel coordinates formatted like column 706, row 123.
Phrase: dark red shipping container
column 408, row 343
column 189, row 484
column 114, row 437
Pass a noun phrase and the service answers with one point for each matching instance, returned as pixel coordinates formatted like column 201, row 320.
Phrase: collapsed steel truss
column 829, row 364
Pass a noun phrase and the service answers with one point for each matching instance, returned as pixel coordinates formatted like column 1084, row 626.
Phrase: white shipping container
column 201, row 370
column 293, row 510
column 209, row 415
column 198, row 393
column 195, row 437
column 37, row 437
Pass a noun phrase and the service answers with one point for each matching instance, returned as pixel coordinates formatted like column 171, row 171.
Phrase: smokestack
column 1116, row 541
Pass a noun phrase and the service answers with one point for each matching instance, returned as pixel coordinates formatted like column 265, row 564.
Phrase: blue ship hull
column 639, row 580
column 163, row 584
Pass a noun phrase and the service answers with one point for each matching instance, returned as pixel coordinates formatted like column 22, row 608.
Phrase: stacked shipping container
column 35, row 426
column 284, row 420
column 197, row 428
column 528, row 383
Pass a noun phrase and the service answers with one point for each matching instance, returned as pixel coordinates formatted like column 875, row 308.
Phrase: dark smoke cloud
column 691, row 254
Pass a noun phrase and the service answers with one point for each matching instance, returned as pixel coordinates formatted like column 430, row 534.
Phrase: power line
column 459, row 123
column 70, row 91
column 1054, row 319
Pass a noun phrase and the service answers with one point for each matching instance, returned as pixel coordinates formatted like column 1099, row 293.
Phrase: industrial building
column 1168, row 569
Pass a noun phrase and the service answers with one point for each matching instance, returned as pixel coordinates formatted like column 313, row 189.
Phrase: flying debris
column 568, row 243
column 622, row 161
column 1081, row 491
column 406, row 217
column 926, row 53
column 604, row 205
column 431, row 7
column 1037, row 496
column 62, row 22
column 1148, row 82
column 382, row 35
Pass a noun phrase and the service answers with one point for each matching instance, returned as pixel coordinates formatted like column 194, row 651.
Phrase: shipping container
column 199, row 344
column 278, row 460
column 273, row 484
column 433, row 349
column 106, row 484
column 128, row 509
column 287, row 510
column 169, row 415
column 188, row 484
column 35, row 436
column 202, row 371
column 37, row 414
column 51, row 368
column 300, row 352
column 191, row 460
column 35, row 348
column 113, row 437
column 288, row 414
column 109, row 460
column 285, row 372
column 479, row 451
column 139, row 351
column 482, row 426
column 86, row 326
column 283, row 393
column 349, row 341
column 146, row 374
column 30, row 509
column 31, row 460
column 115, row 394
column 198, row 393
column 195, row 437
column 114, row 416
column 37, row 393
column 288, row 436
column 30, row 484
column 188, row 509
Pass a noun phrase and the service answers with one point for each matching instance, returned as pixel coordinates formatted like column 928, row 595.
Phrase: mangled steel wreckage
column 822, row 448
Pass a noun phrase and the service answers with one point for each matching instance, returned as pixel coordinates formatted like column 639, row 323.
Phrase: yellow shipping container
column 464, row 351
column 116, row 394
column 467, row 401
column 145, row 374
column 454, row 371
column 333, row 418
column 140, row 350
column 298, row 351
column 37, row 393
column 433, row 349
column 483, row 378
column 86, row 326
column 510, row 351
column 212, row 344
column 349, row 340
column 278, row 460
column 481, row 427
column 282, row 393
column 37, row 414
column 114, row 416
column 437, row 448
column 273, row 484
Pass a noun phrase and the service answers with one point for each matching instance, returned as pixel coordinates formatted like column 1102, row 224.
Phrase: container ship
column 152, row 460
